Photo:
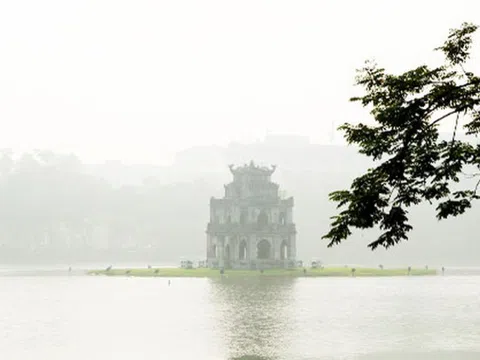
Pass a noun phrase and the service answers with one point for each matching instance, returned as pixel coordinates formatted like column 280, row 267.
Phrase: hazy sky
column 139, row 80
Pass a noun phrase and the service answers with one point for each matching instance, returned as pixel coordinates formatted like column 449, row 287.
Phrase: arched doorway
column 283, row 250
column 263, row 249
column 214, row 251
column 242, row 250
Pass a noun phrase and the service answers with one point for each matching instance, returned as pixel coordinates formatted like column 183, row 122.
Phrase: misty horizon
column 126, row 202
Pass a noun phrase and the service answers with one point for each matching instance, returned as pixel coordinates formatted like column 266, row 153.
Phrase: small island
column 295, row 272
column 251, row 233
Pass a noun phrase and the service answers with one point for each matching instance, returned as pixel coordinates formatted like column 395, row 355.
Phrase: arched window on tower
column 227, row 253
column 242, row 250
column 282, row 218
column 262, row 219
column 283, row 250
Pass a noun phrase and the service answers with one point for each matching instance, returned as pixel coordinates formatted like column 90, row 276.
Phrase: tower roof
column 252, row 169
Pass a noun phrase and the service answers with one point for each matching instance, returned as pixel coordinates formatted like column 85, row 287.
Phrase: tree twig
column 476, row 188
column 445, row 116
column 455, row 128
column 470, row 176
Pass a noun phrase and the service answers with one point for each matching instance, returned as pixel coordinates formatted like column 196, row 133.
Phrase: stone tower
column 251, row 226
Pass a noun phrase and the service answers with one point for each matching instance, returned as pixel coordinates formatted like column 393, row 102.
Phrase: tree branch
column 471, row 176
column 417, row 165
column 476, row 187
column 455, row 128
column 446, row 115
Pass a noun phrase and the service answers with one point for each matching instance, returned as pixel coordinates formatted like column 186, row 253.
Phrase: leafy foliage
column 414, row 164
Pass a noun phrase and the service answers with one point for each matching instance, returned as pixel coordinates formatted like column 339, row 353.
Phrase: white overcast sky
column 139, row 80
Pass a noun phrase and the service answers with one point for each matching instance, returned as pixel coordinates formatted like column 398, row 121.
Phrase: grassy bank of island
column 299, row 272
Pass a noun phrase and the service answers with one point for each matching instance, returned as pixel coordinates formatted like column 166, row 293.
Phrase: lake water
column 57, row 316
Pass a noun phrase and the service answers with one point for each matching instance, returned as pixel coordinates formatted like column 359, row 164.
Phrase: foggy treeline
column 54, row 208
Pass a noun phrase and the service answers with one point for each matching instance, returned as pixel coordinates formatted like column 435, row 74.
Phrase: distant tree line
column 49, row 202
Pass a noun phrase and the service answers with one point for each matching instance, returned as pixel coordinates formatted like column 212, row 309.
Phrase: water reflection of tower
column 254, row 316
